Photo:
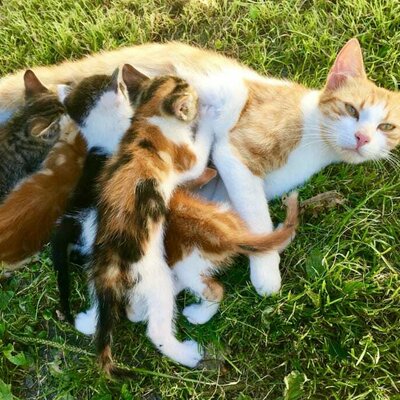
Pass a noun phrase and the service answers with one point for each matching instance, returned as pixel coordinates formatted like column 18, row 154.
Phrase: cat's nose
column 361, row 139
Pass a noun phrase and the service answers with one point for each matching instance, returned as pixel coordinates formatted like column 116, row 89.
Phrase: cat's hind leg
column 66, row 233
column 194, row 273
column 155, row 285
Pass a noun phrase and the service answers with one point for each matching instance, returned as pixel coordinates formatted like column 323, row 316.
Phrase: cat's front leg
column 246, row 192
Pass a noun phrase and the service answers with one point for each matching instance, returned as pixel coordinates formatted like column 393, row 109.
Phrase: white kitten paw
column 191, row 355
column 264, row 273
column 187, row 353
column 200, row 313
column 85, row 322
column 136, row 314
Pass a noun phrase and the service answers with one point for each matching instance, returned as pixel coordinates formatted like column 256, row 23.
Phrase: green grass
column 333, row 332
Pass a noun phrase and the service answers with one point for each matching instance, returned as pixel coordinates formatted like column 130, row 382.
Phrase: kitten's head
column 360, row 120
column 168, row 96
column 101, row 107
column 42, row 111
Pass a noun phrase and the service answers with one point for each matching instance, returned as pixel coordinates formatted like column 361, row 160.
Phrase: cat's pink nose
column 361, row 139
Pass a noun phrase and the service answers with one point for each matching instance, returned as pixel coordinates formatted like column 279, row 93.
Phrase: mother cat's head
column 359, row 120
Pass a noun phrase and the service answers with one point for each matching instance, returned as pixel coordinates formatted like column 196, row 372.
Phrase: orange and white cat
column 269, row 135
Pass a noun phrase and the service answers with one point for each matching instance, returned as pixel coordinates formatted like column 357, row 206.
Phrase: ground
column 333, row 330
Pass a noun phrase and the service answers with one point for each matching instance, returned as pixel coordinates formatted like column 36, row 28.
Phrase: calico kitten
column 98, row 95
column 156, row 154
column 28, row 136
column 271, row 135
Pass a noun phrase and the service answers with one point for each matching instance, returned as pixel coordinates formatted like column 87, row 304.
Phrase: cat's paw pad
column 198, row 314
column 265, row 275
column 85, row 322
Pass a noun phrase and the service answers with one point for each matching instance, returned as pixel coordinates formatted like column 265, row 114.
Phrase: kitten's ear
column 114, row 81
column 40, row 128
column 51, row 133
column 63, row 91
column 32, row 84
column 349, row 63
column 132, row 78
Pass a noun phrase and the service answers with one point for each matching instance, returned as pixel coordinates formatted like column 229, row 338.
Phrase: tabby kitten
column 28, row 136
column 29, row 212
column 98, row 95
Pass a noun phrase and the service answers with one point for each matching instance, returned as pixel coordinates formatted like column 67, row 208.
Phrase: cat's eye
column 351, row 111
column 385, row 127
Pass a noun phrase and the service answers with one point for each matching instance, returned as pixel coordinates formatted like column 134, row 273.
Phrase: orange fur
column 219, row 235
column 28, row 214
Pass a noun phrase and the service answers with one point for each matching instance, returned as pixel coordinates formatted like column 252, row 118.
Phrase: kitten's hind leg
column 194, row 273
column 155, row 286
column 66, row 233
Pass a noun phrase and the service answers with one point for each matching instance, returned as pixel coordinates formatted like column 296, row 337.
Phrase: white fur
column 5, row 116
column 85, row 322
column 343, row 133
column 102, row 131
column 189, row 273
column 156, row 289
column 89, row 229
column 310, row 156
column 176, row 131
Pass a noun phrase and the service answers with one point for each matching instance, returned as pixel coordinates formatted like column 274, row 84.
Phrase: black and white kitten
column 89, row 105
column 28, row 136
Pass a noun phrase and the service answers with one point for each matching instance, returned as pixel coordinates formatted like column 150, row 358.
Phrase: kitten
column 29, row 212
column 213, row 234
column 156, row 154
column 95, row 97
column 271, row 135
column 28, row 136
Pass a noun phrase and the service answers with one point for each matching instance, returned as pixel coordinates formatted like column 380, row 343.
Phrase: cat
column 215, row 223
column 98, row 95
column 271, row 135
column 156, row 154
column 28, row 136
column 30, row 210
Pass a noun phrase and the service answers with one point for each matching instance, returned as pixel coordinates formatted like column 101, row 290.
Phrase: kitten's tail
column 277, row 240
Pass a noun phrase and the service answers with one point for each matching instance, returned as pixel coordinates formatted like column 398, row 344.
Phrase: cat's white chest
column 307, row 159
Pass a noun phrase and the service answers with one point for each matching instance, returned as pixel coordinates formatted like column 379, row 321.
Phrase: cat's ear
column 40, row 128
column 63, row 91
column 349, row 63
column 132, row 78
column 51, row 133
column 32, row 84
column 114, row 84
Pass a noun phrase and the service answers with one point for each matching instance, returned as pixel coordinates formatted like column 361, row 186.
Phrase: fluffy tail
column 277, row 240
column 29, row 213
column 220, row 232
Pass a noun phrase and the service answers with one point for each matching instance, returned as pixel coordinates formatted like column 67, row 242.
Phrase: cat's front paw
column 264, row 273
column 85, row 322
